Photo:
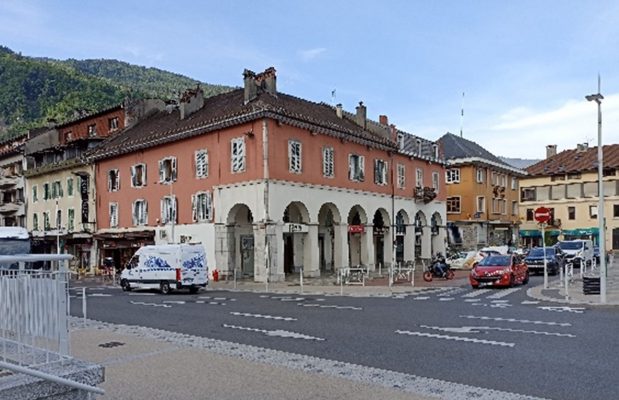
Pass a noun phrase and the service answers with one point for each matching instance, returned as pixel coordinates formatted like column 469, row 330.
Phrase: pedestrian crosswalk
column 468, row 295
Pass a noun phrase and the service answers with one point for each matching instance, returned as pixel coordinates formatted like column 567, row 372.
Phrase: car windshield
column 539, row 252
column 495, row 260
column 570, row 245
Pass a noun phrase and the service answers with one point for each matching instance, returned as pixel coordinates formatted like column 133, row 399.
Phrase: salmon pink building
column 270, row 183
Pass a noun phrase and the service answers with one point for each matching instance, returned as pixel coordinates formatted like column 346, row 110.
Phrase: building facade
column 567, row 184
column 482, row 195
column 12, row 201
column 269, row 184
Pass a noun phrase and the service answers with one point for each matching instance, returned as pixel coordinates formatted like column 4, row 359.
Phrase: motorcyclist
column 440, row 265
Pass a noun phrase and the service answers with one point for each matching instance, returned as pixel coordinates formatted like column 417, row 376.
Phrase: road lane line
column 240, row 314
column 277, row 332
column 477, row 329
column 522, row 321
column 456, row 338
column 476, row 293
column 502, row 293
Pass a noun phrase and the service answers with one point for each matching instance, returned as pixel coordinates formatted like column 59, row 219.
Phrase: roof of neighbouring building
column 576, row 160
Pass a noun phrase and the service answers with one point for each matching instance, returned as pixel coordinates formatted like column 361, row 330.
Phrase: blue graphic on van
column 196, row 262
column 156, row 263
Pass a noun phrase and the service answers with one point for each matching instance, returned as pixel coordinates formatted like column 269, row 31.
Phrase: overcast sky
column 524, row 66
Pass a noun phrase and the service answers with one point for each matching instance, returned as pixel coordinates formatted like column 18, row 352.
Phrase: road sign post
column 542, row 215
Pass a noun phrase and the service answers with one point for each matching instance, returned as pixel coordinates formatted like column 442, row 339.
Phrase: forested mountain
column 33, row 90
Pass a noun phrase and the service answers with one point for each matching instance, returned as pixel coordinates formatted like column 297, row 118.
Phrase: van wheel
column 165, row 288
column 193, row 289
column 124, row 284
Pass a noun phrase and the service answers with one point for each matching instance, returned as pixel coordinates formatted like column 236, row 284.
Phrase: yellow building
column 567, row 184
column 482, row 195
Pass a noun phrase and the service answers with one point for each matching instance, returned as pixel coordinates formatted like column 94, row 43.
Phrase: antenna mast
column 462, row 114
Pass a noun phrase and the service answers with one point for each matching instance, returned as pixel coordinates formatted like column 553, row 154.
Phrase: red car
column 499, row 270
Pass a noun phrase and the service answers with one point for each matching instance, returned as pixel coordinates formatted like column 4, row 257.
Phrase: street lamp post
column 597, row 97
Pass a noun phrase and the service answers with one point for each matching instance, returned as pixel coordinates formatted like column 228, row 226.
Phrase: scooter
column 434, row 272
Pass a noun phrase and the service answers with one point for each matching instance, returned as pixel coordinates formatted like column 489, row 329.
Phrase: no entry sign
column 542, row 215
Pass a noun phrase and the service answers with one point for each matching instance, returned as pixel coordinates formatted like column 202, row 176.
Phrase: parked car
column 499, row 270
column 579, row 252
column 535, row 260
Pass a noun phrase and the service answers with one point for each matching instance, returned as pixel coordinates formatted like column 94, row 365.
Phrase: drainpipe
column 265, row 174
column 393, row 232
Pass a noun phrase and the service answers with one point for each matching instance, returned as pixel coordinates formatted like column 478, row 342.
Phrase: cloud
column 311, row 54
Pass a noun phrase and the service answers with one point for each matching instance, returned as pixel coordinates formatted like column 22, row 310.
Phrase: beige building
column 567, row 184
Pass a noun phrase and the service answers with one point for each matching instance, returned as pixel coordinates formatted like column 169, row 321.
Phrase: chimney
column 361, row 117
column 191, row 101
column 338, row 110
column 268, row 81
column 580, row 147
column 551, row 150
column 249, row 83
column 383, row 120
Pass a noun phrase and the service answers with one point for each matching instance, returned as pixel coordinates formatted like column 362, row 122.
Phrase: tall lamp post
column 597, row 97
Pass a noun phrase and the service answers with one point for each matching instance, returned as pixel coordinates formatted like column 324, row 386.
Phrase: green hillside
column 36, row 89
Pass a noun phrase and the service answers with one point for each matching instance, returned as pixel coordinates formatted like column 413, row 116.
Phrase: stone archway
column 404, row 238
column 330, row 242
column 239, row 231
column 381, row 240
column 422, row 236
column 437, row 239
column 296, row 239
column 360, row 248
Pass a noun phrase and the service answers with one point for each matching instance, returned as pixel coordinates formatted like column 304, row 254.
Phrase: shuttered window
column 294, row 156
column 401, row 176
column 380, row 172
column 356, row 168
column 201, row 161
column 202, row 207
column 71, row 219
column 138, row 175
column 168, row 209
column 35, row 222
column 113, row 180
column 328, row 162
column 167, row 170
column 140, row 212
column 238, row 154
column 419, row 178
column 113, row 215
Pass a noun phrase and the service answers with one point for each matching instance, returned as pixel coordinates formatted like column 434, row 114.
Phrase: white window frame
column 401, row 169
column 137, row 206
column 436, row 184
column 113, row 186
column 480, row 175
column 35, row 194
column 134, row 175
column 514, row 183
column 201, row 162
column 47, row 223
column 459, row 204
column 452, row 175
column 71, row 219
column 237, row 155
column 514, row 208
column 295, row 156
column 169, row 209
column 419, row 177
column 356, row 168
column 35, row 221
column 202, row 206
column 113, row 124
column 46, row 191
column 92, row 130
column 113, row 212
column 58, row 219
column 71, row 187
column 166, row 177
column 380, row 172
column 328, row 162
column 480, row 207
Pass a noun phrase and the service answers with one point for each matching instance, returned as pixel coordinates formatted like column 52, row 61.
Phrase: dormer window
column 113, row 124
column 418, row 147
column 92, row 130
column 435, row 150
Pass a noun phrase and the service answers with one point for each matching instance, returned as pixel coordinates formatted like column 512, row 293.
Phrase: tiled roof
column 410, row 146
column 455, row 147
column 576, row 160
column 229, row 109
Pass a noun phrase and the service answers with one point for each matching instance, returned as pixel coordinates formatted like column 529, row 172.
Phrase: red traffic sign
column 542, row 215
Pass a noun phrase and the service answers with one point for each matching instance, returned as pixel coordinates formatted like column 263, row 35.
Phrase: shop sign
column 295, row 228
column 381, row 230
column 356, row 228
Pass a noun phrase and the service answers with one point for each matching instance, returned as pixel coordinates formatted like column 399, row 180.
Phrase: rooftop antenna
column 333, row 97
column 462, row 115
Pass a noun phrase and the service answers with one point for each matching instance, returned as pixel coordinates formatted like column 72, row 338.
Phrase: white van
column 166, row 267
column 579, row 252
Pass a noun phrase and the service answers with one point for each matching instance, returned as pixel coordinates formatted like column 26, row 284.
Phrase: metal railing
column 34, row 328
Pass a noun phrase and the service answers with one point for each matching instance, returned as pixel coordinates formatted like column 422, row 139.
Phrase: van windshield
column 539, row 252
column 570, row 245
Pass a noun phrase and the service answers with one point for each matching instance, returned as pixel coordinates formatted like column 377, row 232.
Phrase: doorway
column 247, row 255
column 288, row 254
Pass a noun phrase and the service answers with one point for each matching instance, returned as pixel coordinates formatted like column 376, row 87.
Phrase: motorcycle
column 434, row 272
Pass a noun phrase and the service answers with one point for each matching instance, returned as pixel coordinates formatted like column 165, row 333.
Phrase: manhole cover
column 109, row 345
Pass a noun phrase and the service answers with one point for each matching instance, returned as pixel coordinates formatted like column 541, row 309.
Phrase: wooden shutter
column 209, row 206
column 173, row 164
column 361, row 168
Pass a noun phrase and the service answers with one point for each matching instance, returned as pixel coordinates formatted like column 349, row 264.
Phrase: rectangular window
column 514, row 208
column 201, row 161
column 514, row 183
column 35, row 222
column 138, row 175
column 616, row 210
column 529, row 214
column 70, row 187
column 46, row 223
column 238, row 154
column 557, row 192
column 167, row 170
column 574, row 191
column 356, row 168
column 34, row 194
column 328, row 162
column 92, row 130
column 481, row 204
column 113, row 215
column 71, row 219
column 58, row 219
column 168, row 209
column 610, row 188
column 590, row 189
column 480, row 174
column 571, row 213
column 113, row 180
column 46, row 194
column 435, row 181
column 452, row 175
column 140, row 212
column 609, row 172
column 527, row 194
column 294, row 156
column 56, row 189
column 400, row 140
column 419, row 178
column 453, row 205
column 113, row 124
column 574, row 175
column 202, row 206
column 593, row 212
column 380, row 172
column 401, row 176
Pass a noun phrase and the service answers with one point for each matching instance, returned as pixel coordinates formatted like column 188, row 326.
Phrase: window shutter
column 117, row 179
column 175, row 209
column 133, row 177
column 144, row 175
column 164, row 220
column 361, row 168
column 173, row 169
column 161, row 174
column 209, row 206
column 134, row 212
column 351, row 168
column 194, row 208
column 145, row 212
column 385, row 169
column 376, row 172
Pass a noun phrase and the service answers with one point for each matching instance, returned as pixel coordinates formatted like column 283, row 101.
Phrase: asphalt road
column 491, row 338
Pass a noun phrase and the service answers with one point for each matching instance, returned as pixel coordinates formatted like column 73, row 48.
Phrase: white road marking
column 445, row 298
column 99, row 295
column 576, row 310
column 477, row 329
column 498, row 305
column 475, row 293
column 330, row 306
column 174, row 302
column 530, row 302
column 471, row 300
column 207, row 297
column 421, row 298
column 456, row 338
column 504, row 292
column 263, row 316
column 141, row 303
column 141, row 294
column 216, row 303
column 522, row 321
column 499, row 301
column 278, row 332
column 292, row 299
column 200, row 301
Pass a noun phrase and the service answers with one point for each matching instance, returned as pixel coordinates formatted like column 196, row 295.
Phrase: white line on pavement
column 576, row 310
column 456, row 338
column 530, row 302
column 141, row 303
column 445, row 298
column 174, row 302
column 421, row 298
column 278, row 332
column 502, row 293
column 477, row 329
column 476, row 292
column 263, row 316
column 522, row 321
column 330, row 306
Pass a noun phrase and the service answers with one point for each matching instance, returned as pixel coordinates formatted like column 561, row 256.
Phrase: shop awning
column 532, row 233
column 581, row 232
